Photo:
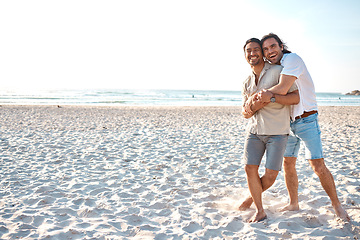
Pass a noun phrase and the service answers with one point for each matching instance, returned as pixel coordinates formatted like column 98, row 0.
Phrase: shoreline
column 121, row 97
column 160, row 172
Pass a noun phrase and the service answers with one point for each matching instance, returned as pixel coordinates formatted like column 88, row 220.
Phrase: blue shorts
column 306, row 130
column 256, row 145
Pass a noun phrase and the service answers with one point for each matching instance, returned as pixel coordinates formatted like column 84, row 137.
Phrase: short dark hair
column 276, row 37
column 256, row 40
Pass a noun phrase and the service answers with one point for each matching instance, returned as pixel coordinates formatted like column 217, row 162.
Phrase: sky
column 166, row 44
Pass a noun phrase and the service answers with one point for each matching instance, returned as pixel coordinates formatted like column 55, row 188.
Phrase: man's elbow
column 296, row 97
column 295, row 100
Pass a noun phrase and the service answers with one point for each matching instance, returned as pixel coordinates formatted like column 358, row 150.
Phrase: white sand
column 160, row 173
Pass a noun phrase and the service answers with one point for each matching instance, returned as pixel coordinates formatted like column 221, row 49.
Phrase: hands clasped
column 257, row 101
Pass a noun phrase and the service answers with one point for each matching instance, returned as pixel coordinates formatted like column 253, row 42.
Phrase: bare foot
column 290, row 207
column 341, row 213
column 258, row 216
column 246, row 204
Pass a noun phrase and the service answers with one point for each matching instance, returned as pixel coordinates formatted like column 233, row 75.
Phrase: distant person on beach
column 304, row 122
column 268, row 128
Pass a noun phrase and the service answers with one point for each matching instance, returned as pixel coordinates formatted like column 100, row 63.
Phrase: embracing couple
column 280, row 105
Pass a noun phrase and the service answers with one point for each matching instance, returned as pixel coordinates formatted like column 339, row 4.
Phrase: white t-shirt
column 295, row 66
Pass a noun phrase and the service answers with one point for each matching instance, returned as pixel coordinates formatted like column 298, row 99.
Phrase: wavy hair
column 276, row 37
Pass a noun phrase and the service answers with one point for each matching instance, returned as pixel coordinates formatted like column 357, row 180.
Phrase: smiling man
column 267, row 129
column 304, row 121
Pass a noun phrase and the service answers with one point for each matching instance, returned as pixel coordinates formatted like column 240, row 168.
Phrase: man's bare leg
column 255, row 188
column 327, row 182
column 292, row 184
column 267, row 180
column 246, row 204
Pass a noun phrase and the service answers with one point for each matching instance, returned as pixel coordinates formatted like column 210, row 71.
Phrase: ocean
column 121, row 97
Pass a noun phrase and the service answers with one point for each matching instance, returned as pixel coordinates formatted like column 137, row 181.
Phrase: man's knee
column 318, row 165
column 250, row 169
column 271, row 175
column 289, row 163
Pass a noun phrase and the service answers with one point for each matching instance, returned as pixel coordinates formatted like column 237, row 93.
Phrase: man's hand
column 252, row 105
column 247, row 111
column 265, row 95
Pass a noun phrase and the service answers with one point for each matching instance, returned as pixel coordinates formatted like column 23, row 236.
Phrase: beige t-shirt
column 274, row 118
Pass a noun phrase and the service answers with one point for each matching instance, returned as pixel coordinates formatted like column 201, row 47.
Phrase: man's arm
column 256, row 101
column 252, row 105
column 282, row 88
column 292, row 98
column 285, row 83
column 279, row 91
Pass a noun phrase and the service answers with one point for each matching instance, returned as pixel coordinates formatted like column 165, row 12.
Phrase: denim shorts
column 256, row 145
column 306, row 130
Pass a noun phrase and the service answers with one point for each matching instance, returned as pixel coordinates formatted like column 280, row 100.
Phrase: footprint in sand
column 312, row 222
column 191, row 227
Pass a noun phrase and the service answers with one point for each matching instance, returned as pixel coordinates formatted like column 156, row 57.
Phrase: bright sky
column 166, row 44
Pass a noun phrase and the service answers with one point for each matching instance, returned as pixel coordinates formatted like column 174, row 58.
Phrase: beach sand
column 160, row 173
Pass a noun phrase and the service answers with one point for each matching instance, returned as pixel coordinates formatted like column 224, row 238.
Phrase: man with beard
column 268, row 128
column 304, row 122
